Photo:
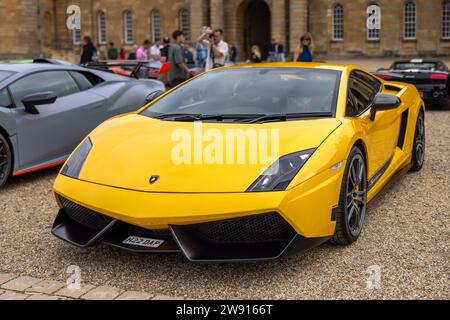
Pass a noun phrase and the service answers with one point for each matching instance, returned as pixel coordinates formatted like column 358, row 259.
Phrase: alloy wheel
column 420, row 141
column 4, row 161
column 356, row 196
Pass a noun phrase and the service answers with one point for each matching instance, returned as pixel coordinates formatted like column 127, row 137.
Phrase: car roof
column 418, row 61
column 27, row 67
column 301, row 65
column 20, row 69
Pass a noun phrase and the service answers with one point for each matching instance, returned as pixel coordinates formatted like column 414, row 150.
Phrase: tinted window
column 361, row 91
column 5, row 100
column 253, row 91
column 58, row 82
column 414, row 65
column 81, row 80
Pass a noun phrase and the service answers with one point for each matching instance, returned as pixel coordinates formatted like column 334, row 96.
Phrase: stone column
column 196, row 11
column 279, row 20
column 298, row 20
column 217, row 14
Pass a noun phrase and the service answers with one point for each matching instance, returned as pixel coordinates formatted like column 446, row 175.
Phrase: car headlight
column 278, row 176
column 76, row 161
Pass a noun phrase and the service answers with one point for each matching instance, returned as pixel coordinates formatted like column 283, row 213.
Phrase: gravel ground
column 406, row 235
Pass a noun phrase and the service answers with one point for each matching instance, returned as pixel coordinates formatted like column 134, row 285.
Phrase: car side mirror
column 32, row 100
column 152, row 96
column 383, row 101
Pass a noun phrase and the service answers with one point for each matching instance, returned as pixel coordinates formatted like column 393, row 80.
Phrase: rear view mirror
column 152, row 96
column 32, row 100
column 384, row 101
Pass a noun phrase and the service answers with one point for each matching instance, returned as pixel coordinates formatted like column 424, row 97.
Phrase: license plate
column 143, row 242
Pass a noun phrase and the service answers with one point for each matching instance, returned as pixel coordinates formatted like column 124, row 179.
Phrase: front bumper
column 204, row 227
column 254, row 238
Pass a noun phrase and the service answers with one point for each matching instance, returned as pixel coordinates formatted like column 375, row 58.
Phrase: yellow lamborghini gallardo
column 243, row 163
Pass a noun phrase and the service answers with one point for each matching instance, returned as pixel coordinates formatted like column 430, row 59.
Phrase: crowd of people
column 210, row 51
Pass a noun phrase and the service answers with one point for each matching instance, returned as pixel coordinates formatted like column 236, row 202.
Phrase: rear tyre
column 5, row 160
column 351, row 211
column 418, row 151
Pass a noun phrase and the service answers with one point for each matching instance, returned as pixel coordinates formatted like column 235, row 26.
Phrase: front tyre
column 352, row 200
column 5, row 160
column 418, row 151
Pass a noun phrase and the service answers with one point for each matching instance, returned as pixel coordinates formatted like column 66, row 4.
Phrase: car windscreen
column 5, row 74
column 411, row 65
column 253, row 91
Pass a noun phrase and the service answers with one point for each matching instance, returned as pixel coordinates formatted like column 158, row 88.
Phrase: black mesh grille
column 84, row 216
column 260, row 228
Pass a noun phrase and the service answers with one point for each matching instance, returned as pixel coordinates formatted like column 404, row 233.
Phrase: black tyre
column 418, row 151
column 352, row 200
column 5, row 160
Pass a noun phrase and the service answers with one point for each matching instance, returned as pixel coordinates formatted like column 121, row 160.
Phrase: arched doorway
column 257, row 25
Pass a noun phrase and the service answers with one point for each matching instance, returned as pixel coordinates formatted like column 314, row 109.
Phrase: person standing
column 217, row 50
column 88, row 50
column 273, row 50
column 178, row 72
column 155, row 51
column 255, row 56
column 233, row 54
column 188, row 56
column 165, row 50
column 132, row 54
column 142, row 51
column 122, row 54
column 200, row 55
column 304, row 52
column 113, row 53
column 280, row 54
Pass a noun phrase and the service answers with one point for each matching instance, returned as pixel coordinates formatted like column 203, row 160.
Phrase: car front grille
column 270, row 227
column 84, row 216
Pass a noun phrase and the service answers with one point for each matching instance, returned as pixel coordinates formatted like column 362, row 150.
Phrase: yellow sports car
column 243, row 163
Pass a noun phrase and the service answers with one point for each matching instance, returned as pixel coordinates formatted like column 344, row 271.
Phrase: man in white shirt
column 155, row 50
column 217, row 50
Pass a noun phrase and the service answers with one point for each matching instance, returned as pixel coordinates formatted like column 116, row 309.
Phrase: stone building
column 339, row 27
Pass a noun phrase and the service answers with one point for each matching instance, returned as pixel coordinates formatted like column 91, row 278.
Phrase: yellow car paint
column 128, row 149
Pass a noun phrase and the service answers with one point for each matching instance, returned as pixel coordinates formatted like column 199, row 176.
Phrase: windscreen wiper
column 177, row 116
column 201, row 117
column 286, row 116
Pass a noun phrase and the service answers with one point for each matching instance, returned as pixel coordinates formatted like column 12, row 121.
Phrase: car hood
column 192, row 157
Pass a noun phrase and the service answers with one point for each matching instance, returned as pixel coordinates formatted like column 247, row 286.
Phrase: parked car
column 431, row 77
column 342, row 135
column 47, row 107
column 138, row 69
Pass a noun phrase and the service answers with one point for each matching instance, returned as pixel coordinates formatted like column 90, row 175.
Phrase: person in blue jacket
column 304, row 52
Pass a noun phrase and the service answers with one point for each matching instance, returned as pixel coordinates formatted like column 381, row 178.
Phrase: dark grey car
column 47, row 109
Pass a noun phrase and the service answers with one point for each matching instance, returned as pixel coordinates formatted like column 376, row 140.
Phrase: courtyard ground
column 406, row 236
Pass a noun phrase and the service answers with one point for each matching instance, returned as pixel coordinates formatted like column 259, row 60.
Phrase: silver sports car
column 47, row 108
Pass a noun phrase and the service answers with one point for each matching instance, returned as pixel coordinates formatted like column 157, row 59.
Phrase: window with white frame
column 373, row 22
column 76, row 36
column 446, row 20
column 409, row 21
column 128, row 27
column 185, row 24
column 338, row 23
column 156, row 24
column 101, row 27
